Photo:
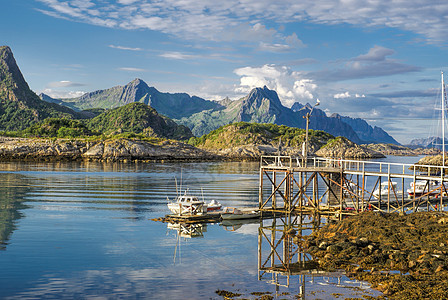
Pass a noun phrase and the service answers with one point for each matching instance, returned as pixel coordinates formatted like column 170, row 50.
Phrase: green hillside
column 138, row 118
column 244, row 133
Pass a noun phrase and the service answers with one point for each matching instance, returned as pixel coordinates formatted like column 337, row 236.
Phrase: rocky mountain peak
column 138, row 83
column 20, row 107
column 257, row 95
column 11, row 79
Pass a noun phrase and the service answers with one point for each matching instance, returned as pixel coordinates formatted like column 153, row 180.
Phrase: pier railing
column 429, row 172
column 293, row 183
column 368, row 167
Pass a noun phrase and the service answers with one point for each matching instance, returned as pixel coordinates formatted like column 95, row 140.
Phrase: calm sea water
column 84, row 230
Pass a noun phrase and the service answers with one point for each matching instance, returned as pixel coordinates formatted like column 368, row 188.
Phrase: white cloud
column 305, row 89
column 64, row 83
column 62, row 94
column 177, row 55
column 374, row 63
column 125, row 48
column 232, row 19
column 377, row 53
column 131, row 69
column 127, row 2
column 289, row 85
column 347, row 95
column 342, row 95
column 274, row 47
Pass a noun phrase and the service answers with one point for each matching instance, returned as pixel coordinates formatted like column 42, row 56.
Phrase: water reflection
column 82, row 230
column 185, row 230
column 13, row 188
column 282, row 259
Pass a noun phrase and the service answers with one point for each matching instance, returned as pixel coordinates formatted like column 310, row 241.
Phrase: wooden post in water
column 341, row 199
column 274, row 178
column 260, row 188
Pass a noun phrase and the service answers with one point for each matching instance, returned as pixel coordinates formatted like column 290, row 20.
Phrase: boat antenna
column 443, row 121
column 180, row 180
column 202, row 191
column 177, row 191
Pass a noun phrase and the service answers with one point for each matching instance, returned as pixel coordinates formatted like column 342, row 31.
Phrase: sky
column 380, row 60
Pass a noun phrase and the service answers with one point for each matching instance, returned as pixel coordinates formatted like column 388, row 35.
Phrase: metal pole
column 443, row 121
column 306, row 138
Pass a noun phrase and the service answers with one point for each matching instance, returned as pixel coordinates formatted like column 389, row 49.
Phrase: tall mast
column 443, row 122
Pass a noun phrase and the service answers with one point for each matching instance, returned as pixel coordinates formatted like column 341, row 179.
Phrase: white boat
column 213, row 206
column 191, row 205
column 424, row 187
column 387, row 189
column 233, row 213
column 187, row 205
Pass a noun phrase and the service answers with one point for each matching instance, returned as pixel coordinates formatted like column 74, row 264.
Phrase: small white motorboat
column 387, row 189
column 424, row 187
column 213, row 206
column 233, row 213
column 187, row 205
column 191, row 205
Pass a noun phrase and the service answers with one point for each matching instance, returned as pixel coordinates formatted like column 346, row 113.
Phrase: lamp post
column 307, row 117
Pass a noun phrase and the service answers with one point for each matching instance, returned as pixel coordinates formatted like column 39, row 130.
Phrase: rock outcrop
column 341, row 147
column 391, row 149
column 115, row 149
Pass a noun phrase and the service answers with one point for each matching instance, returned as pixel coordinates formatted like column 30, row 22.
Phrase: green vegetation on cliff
column 243, row 133
column 56, row 127
column 138, row 118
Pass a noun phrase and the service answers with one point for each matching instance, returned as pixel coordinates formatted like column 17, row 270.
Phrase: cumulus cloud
column 58, row 94
column 342, row 95
column 347, row 95
column 290, row 86
column 234, row 19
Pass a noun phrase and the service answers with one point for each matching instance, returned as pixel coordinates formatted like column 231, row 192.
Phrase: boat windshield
column 187, row 199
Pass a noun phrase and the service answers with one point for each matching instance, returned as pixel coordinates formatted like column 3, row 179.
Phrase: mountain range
column 430, row 142
column 261, row 105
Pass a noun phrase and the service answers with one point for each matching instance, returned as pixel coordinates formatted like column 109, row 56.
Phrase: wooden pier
column 337, row 186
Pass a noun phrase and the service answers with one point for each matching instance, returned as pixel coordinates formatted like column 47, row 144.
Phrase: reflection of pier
column 187, row 230
column 283, row 263
column 348, row 186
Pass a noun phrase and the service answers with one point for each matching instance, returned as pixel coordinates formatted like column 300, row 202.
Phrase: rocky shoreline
column 403, row 256
column 107, row 150
column 122, row 149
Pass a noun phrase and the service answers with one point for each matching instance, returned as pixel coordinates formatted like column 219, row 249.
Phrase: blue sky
column 378, row 60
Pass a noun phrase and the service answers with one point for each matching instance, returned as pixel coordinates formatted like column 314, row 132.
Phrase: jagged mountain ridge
column 173, row 105
column 261, row 105
column 20, row 107
column 366, row 132
column 430, row 142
